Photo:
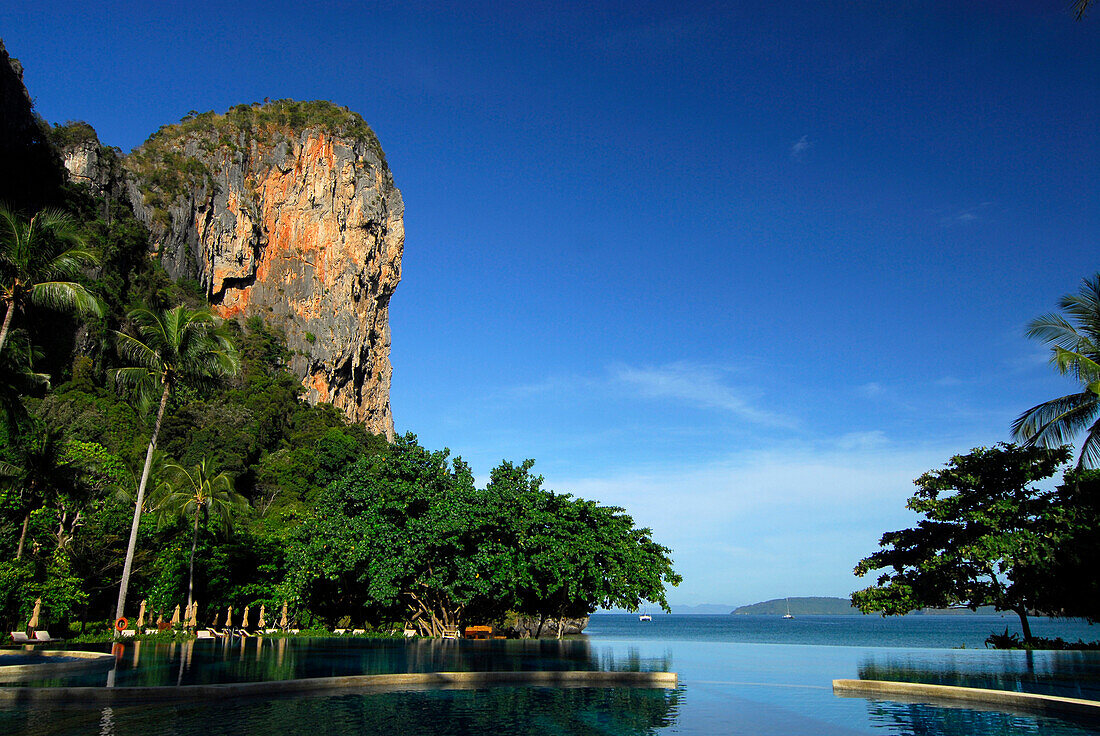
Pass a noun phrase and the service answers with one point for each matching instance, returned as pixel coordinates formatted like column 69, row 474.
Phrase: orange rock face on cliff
column 291, row 214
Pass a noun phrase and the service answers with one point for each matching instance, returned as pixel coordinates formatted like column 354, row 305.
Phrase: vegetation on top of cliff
column 71, row 133
column 169, row 164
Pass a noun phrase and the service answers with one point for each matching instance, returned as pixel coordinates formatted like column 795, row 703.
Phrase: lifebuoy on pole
column 122, row 623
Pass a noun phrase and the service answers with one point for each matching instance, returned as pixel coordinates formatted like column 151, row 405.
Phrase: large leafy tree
column 1074, row 338
column 171, row 348
column 199, row 495
column 407, row 534
column 39, row 259
column 985, row 540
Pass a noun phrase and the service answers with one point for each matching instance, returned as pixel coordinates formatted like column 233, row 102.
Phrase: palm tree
column 18, row 379
column 172, row 347
column 37, row 260
column 198, row 494
column 1075, row 341
column 39, row 471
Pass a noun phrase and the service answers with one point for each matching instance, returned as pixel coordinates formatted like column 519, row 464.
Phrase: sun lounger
column 204, row 634
column 271, row 631
column 339, row 632
column 410, row 633
column 450, row 632
column 127, row 632
column 357, row 632
column 295, row 631
column 150, row 631
column 20, row 637
column 42, row 635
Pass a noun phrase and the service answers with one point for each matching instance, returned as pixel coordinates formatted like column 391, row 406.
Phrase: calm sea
column 920, row 632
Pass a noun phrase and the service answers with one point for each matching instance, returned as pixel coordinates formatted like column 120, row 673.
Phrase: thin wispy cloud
column 968, row 216
column 799, row 147
column 700, row 386
column 755, row 525
column 871, row 390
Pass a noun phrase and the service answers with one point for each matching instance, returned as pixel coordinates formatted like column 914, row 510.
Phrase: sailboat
column 645, row 617
column 788, row 609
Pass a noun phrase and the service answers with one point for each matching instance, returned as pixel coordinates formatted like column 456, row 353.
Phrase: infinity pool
column 725, row 687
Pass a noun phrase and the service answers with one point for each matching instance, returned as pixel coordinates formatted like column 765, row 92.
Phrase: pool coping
column 972, row 696
column 359, row 683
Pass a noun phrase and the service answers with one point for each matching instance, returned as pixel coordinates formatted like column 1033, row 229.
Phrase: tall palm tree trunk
column 137, row 508
column 7, row 324
column 23, row 536
column 191, row 573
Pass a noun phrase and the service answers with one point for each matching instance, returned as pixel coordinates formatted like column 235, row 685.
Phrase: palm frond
column 1053, row 329
column 67, row 264
column 1090, row 448
column 66, row 294
column 135, row 351
column 1082, row 367
column 1055, row 422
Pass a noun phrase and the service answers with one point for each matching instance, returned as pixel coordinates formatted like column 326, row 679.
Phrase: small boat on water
column 645, row 617
column 788, row 615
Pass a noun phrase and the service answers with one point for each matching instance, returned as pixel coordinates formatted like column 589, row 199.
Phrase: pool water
column 725, row 687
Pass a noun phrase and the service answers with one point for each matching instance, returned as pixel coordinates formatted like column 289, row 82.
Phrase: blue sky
column 746, row 271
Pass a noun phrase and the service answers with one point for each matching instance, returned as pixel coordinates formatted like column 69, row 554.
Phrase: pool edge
column 1030, row 702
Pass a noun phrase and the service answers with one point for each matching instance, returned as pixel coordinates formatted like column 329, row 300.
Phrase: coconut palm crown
column 38, row 260
column 1074, row 337
column 197, row 495
column 171, row 347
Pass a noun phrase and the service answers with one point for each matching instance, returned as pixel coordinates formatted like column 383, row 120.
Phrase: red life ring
column 122, row 623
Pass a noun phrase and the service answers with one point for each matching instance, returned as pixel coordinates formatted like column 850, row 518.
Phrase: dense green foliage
column 255, row 496
column 406, row 534
column 990, row 537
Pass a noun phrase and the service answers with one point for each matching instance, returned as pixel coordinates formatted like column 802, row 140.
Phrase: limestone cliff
column 287, row 211
column 30, row 172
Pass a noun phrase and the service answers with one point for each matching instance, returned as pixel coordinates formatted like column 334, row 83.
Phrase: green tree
column 38, row 260
column 40, row 472
column 407, row 534
column 200, row 495
column 1075, row 350
column 172, row 348
column 984, row 540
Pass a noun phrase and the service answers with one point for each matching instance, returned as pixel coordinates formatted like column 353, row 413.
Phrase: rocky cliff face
column 287, row 211
column 30, row 173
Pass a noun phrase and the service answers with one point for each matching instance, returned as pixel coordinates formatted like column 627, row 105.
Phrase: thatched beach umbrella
column 176, row 615
column 141, row 615
column 282, row 619
column 160, row 618
column 229, row 617
column 193, row 615
column 33, row 623
column 263, row 621
column 244, row 618
column 217, row 615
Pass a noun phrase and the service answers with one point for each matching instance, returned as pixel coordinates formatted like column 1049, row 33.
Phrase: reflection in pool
column 491, row 711
column 1066, row 674
column 151, row 664
column 725, row 687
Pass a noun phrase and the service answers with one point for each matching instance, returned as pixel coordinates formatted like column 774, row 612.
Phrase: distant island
column 813, row 606
column 827, row 606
